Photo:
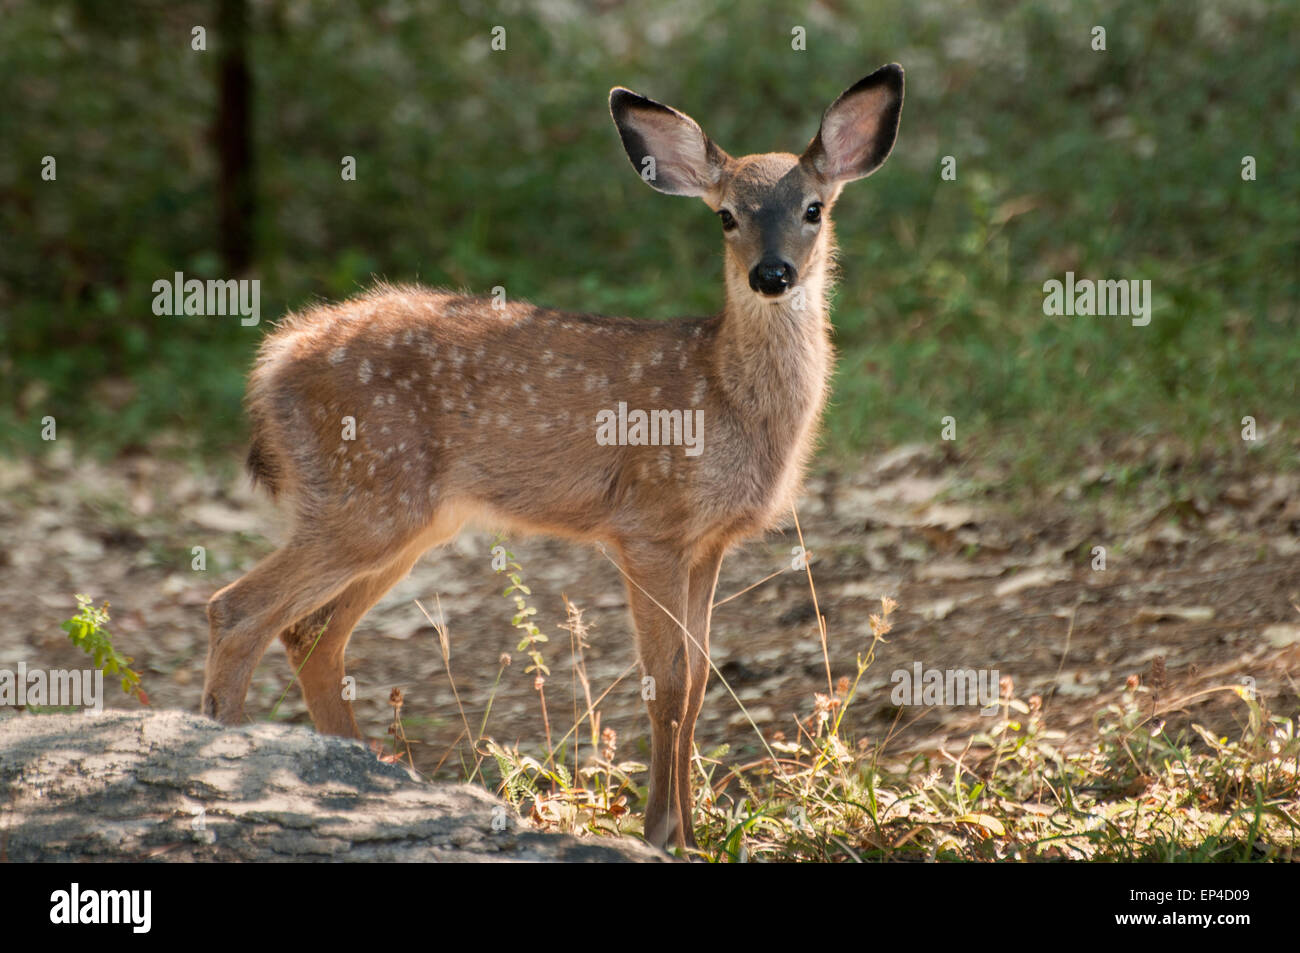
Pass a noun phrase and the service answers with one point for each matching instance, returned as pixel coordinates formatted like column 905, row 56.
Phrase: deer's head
column 774, row 207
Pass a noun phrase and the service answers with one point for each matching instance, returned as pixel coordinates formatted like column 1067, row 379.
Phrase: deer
column 391, row 420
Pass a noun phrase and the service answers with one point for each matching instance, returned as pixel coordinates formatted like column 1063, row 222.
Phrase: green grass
column 479, row 168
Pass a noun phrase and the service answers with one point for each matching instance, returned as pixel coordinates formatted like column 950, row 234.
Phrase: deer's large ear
column 859, row 129
column 668, row 149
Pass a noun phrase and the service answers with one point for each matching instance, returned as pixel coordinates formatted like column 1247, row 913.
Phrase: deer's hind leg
column 243, row 617
column 316, row 645
column 324, row 576
column 317, row 566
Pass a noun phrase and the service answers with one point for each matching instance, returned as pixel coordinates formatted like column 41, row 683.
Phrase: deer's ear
column 668, row 149
column 859, row 129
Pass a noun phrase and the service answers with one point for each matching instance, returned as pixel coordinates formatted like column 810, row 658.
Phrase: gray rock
column 172, row 786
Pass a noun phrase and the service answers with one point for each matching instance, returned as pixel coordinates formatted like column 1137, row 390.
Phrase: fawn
column 392, row 419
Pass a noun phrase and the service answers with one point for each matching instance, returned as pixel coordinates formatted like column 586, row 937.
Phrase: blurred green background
column 478, row 168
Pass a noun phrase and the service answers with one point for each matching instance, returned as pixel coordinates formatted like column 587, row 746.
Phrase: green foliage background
column 477, row 168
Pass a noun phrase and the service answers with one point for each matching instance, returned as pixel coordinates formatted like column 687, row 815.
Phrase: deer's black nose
column 771, row 276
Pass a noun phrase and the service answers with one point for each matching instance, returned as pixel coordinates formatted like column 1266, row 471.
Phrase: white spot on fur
column 337, row 355
column 363, row 371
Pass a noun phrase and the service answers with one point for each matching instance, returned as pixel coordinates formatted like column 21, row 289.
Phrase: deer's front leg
column 699, row 610
column 657, row 594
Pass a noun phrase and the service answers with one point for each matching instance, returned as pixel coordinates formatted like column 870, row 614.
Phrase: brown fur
column 467, row 411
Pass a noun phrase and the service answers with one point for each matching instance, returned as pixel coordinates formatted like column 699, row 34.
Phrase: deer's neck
column 774, row 360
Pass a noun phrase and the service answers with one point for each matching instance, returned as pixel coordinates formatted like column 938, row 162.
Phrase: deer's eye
column 813, row 213
column 728, row 220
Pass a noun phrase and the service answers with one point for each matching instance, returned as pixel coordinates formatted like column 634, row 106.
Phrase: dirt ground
column 1211, row 585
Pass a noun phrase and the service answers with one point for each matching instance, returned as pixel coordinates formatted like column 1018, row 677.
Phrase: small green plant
column 522, row 619
column 533, row 636
column 552, row 798
column 594, row 794
column 88, row 632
